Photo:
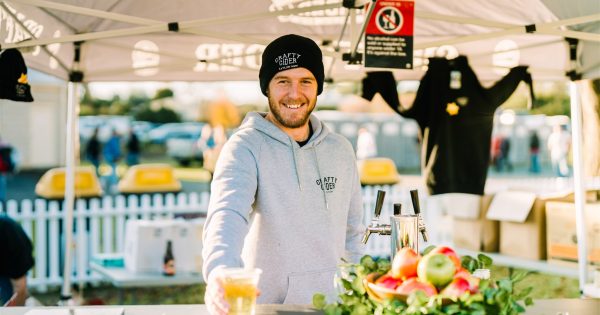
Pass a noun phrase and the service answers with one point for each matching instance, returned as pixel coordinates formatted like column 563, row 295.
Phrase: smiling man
column 285, row 195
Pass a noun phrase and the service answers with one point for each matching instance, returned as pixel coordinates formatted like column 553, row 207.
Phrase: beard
column 289, row 118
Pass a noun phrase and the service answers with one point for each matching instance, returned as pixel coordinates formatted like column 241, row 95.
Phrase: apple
column 448, row 252
column 405, row 263
column 473, row 281
column 456, row 288
column 437, row 269
column 413, row 284
column 387, row 281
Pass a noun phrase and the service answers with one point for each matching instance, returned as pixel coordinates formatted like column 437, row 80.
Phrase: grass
column 545, row 286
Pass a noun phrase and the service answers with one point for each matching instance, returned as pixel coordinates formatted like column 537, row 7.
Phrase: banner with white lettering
column 389, row 35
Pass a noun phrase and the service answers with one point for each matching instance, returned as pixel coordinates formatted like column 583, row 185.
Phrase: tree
column 163, row 93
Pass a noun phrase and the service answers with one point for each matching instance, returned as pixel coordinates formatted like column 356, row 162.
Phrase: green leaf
column 428, row 249
column 506, row 284
column 528, row 301
column 518, row 307
column 358, row 286
column 484, row 261
column 332, row 309
column 319, row 301
column 518, row 276
column 368, row 262
column 524, row 293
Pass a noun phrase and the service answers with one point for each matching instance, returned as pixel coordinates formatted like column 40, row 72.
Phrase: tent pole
column 578, row 178
column 72, row 91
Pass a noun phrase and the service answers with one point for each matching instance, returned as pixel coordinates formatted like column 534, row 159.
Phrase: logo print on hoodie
column 327, row 183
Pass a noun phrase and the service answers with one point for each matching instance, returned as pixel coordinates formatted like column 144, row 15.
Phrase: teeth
column 293, row 106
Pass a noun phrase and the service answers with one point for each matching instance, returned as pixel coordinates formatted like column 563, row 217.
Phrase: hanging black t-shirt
column 16, row 249
column 456, row 123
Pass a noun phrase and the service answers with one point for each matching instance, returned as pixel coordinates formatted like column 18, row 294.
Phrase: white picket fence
column 99, row 227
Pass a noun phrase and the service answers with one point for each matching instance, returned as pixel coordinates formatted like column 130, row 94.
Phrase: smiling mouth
column 292, row 106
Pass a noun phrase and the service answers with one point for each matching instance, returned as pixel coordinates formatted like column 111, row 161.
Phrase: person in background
column 112, row 155
column 16, row 259
column 7, row 166
column 133, row 149
column 366, row 147
column 496, row 154
column 92, row 151
column 285, row 196
column 211, row 154
column 505, row 154
column 559, row 144
column 534, row 152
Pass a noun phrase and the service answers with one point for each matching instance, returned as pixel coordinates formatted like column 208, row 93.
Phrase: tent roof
column 128, row 40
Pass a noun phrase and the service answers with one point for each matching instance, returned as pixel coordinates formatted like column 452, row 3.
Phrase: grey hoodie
column 292, row 211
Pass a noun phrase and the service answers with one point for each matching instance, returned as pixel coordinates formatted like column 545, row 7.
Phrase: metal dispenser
column 404, row 228
column 375, row 227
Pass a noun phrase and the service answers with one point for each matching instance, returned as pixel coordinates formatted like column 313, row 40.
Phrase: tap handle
column 414, row 196
column 366, row 236
column 379, row 202
column 397, row 208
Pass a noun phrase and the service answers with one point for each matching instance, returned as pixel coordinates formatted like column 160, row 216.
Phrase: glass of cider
column 240, row 289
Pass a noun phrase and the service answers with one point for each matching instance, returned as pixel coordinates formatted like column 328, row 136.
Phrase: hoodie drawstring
column 314, row 148
column 296, row 165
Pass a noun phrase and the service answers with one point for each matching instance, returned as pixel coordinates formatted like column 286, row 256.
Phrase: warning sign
column 389, row 35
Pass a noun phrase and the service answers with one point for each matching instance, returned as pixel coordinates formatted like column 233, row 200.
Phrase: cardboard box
column 522, row 216
column 562, row 232
column 146, row 243
column 473, row 231
column 522, row 223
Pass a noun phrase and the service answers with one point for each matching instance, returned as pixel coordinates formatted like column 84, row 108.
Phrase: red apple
column 473, row 281
column 448, row 252
column 413, row 284
column 405, row 263
column 456, row 288
column 437, row 269
column 387, row 281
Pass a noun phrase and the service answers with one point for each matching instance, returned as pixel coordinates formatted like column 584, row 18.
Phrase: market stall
column 90, row 41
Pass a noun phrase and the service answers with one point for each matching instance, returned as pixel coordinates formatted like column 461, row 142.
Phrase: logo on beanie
column 287, row 61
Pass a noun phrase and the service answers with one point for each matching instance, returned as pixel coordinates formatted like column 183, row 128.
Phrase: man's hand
column 214, row 295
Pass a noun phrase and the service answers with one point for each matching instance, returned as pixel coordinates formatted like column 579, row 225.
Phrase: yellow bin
column 52, row 184
column 149, row 178
column 378, row 171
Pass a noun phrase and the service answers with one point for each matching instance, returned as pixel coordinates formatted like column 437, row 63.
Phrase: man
column 559, row 144
column 15, row 261
column 285, row 195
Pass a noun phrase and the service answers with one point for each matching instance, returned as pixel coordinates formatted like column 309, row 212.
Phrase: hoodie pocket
column 303, row 285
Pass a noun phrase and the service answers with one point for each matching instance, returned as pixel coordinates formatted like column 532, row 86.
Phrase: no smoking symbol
column 389, row 20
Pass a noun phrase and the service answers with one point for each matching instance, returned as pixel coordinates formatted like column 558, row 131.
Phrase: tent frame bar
column 164, row 27
column 44, row 48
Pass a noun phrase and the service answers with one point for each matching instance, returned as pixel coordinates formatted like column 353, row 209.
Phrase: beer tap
column 375, row 227
column 414, row 196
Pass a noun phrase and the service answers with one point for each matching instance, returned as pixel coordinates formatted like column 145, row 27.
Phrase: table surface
column 123, row 278
column 541, row 307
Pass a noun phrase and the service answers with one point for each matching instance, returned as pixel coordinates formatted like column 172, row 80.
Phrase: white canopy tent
column 191, row 40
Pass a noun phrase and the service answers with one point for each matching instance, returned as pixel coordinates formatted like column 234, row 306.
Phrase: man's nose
column 294, row 90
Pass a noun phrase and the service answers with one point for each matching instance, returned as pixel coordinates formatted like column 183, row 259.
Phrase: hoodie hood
column 256, row 120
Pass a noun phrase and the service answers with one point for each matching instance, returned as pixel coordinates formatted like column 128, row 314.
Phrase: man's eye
column 282, row 82
column 307, row 82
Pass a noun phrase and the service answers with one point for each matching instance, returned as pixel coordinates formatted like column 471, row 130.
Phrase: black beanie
column 288, row 52
column 13, row 77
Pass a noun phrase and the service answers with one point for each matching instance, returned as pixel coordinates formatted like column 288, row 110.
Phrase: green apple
column 437, row 269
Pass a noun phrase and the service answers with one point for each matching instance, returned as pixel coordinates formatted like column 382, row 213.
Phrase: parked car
column 185, row 149
column 168, row 131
